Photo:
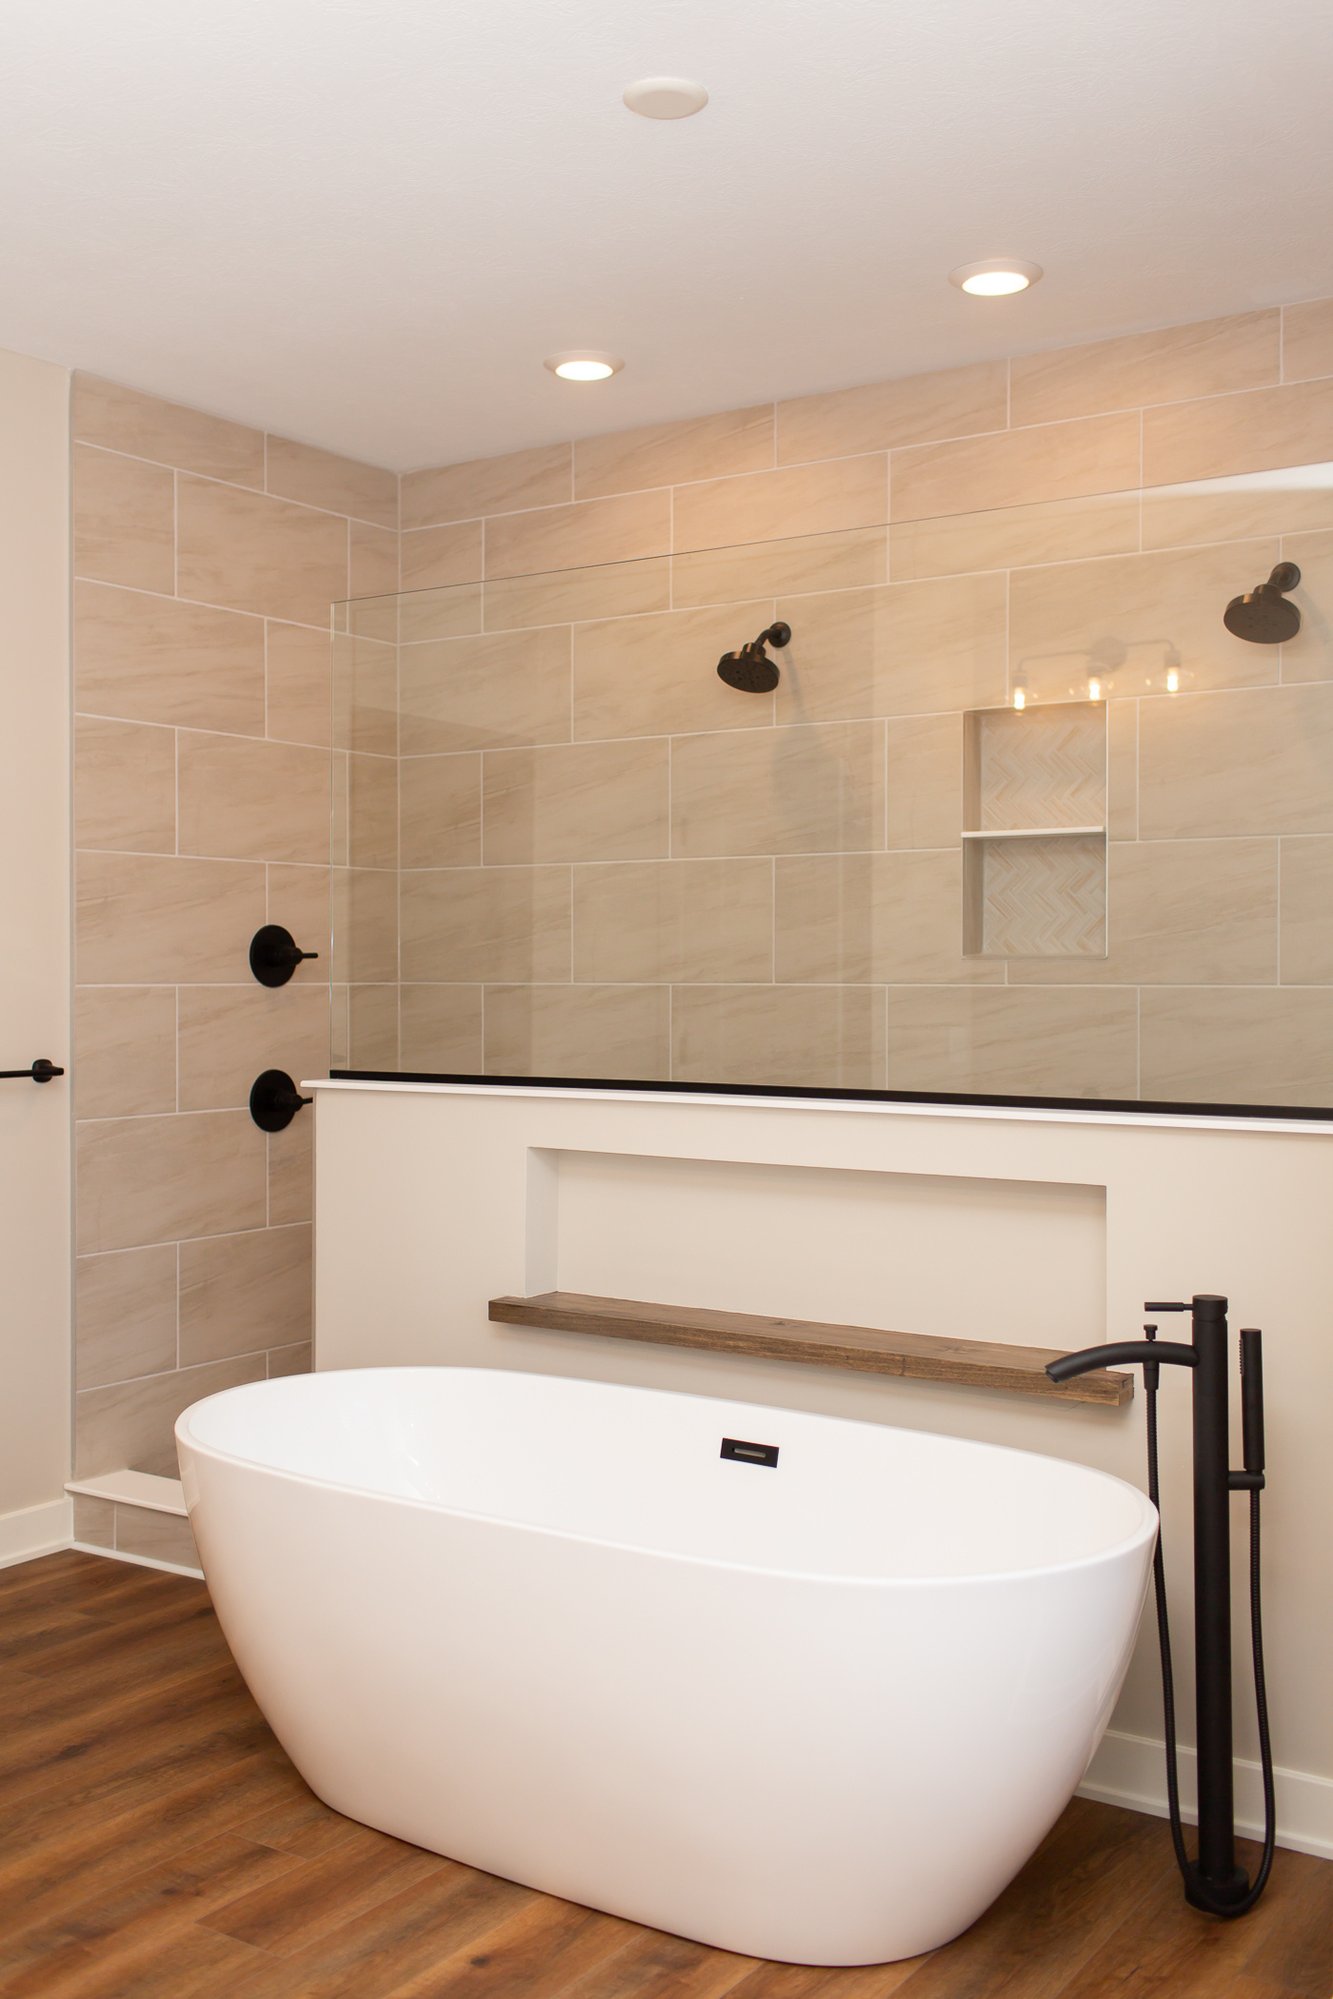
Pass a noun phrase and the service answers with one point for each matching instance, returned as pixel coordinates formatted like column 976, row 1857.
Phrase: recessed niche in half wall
column 1034, row 831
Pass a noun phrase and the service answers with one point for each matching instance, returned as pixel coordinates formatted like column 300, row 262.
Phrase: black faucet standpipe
column 1213, row 1882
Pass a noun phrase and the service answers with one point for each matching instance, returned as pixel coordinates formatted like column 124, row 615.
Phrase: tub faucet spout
column 1121, row 1353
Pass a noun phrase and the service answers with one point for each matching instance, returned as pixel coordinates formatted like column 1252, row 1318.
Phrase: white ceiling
column 365, row 222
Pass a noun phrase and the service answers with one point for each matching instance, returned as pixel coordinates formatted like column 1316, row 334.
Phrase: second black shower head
column 1263, row 614
column 751, row 670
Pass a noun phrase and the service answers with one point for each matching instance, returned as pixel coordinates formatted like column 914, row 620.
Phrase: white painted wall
column 1044, row 1230
column 34, row 954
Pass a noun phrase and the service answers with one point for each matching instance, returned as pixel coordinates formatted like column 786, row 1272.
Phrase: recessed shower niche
column 1034, row 834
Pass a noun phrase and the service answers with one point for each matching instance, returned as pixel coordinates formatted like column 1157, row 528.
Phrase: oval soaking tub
column 819, row 1709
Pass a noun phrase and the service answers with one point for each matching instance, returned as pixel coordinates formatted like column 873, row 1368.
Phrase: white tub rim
column 1115, row 1551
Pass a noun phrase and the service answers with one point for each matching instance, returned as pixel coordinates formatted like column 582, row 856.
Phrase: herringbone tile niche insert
column 1034, row 837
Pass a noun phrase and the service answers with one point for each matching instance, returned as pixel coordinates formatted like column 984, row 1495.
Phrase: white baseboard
column 34, row 1531
column 138, row 1561
column 1130, row 1770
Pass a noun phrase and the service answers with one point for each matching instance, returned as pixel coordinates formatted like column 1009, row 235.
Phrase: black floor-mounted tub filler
column 1213, row 1881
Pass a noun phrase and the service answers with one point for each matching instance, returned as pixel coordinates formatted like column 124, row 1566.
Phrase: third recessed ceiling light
column 665, row 97
column 995, row 277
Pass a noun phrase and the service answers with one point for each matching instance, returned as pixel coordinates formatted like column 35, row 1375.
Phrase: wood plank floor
column 155, row 1843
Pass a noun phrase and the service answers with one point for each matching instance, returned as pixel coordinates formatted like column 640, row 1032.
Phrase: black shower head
column 751, row 670
column 1263, row 614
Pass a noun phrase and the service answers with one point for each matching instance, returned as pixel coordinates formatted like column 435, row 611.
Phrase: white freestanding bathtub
column 821, row 1709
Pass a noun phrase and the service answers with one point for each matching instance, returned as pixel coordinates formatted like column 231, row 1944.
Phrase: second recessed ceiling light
column 666, row 97
column 995, row 277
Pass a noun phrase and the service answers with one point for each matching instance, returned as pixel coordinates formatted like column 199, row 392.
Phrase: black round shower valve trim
column 275, row 954
column 275, row 1100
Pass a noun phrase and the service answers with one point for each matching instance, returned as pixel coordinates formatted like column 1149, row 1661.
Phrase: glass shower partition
column 1020, row 821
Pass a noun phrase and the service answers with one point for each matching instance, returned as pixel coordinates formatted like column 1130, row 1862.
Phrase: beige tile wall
column 615, row 865
column 207, row 556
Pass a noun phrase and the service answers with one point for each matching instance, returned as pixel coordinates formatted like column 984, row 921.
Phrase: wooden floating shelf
column 860, row 1349
column 1035, row 833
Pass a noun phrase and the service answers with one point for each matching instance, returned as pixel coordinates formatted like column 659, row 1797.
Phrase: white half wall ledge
column 1290, row 1127
column 35, row 1531
column 1130, row 1770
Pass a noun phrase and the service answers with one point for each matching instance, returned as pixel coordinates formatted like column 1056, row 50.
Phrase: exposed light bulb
column 1173, row 680
column 1094, row 688
column 1020, row 698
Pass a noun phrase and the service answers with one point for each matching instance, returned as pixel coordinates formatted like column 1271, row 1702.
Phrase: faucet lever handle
column 1149, row 1306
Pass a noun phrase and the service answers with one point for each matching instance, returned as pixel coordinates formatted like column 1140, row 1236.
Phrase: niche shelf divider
column 1034, row 831
column 858, row 1349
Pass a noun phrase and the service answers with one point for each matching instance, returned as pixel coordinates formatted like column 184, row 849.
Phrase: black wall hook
column 275, row 1100
column 275, row 954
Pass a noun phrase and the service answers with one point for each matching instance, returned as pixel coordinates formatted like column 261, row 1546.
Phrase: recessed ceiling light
column 665, row 97
column 584, row 366
column 995, row 277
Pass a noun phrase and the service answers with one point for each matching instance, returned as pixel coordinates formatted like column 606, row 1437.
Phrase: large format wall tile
column 829, row 1037
column 667, row 922
column 1307, row 340
column 842, row 560
column 590, row 531
column 1054, row 461
column 1223, row 435
column 145, row 1180
column 1171, row 365
column 1181, row 912
column 769, row 506
column 954, row 403
column 1309, row 656
column 250, row 552
column 125, row 1309
column 471, row 924
column 124, row 786
column 125, row 1050
column 439, row 811
column 1307, row 912
column 1247, row 1045
column 246, row 800
column 594, row 1031
column 365, row 924
column 903, row 649
column 564, row 596
column 1033, row 1041
column 124, row 521
column 1129, row 618
column 1009, row 537
column 924, row 780
column 152, row 659
column 1252, row 762
column 779, row 791
column 669, row 454
column 440, row 1030
column 300, row 685
column 874, row 919
column 575, row 802
column 539, row 478
column 655, row 675
column 141, row 919
column 143, row 426
column 339, row 485
column 229, row 1034
column 241, row 1293
column 497, row 691
column 131, row 1423
column 438, row 558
